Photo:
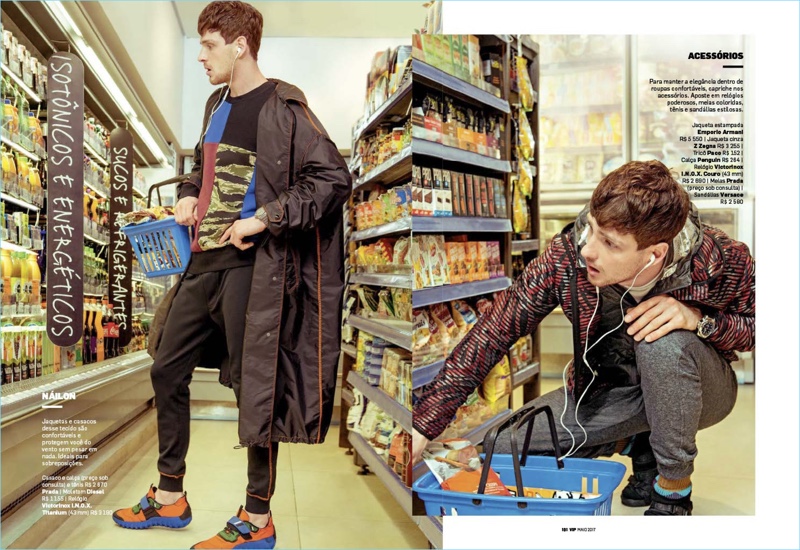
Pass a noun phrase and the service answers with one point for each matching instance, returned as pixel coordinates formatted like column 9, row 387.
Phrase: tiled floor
column 320, row 502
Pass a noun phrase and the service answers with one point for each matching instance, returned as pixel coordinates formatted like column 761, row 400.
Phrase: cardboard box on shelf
column 456, row 193
column 470, row 195
column 416, row 191
column 427, row 193
column 447, row 193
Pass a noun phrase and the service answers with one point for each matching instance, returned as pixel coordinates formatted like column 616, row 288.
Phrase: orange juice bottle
column 23, row 169
column 23, row 298
column 16, row 275
column 7, row 289
column 35, row 284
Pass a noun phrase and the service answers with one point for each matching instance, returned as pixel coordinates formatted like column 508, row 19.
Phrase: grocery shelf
column 476, row 435
column 28, row 398
column 387, row 403
column 20, row 149
column 14, row 247
column 349, row 349
column 96, row 240
column 19, row 202
column 102, row 192
column 453, row 154
column 403, row 92
column 376, row 464
column 527, row 245
column 423, row 376
column 382, row 279
column 528, row 42
column 391, row 170
column 441, row 81
column 400, row 226
column 97, row 156
column 436, row 295
column 396, row 332
column 525, row 374
column 456, row 224
column 431, row 527
column 33, row 96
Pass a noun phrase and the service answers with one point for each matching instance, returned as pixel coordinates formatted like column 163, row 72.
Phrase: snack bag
column 525, row 179
column 456, row 465
column 526, row 141
column 525, row 85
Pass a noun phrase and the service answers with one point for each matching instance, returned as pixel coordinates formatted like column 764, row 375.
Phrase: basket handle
column 157, row 188
column 526, row 414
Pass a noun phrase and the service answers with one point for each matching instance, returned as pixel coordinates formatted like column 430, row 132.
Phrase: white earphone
column 573, row 450
column 238, row 51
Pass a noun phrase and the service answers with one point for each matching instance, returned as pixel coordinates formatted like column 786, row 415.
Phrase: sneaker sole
column 267, row 543
column 172, row 523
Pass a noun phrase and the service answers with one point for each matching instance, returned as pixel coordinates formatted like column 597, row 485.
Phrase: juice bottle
column 5, row 365
column 36, row 283
column 39, row 352
column 7, row 288
column 22, row 116
column 37, row 192
column 6, row 166
column 23, row 298
column 16, row 275
column 98, row 333
column 9, row 122
column 23, row 171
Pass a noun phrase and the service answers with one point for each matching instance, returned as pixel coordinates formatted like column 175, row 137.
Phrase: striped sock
column 673, row 488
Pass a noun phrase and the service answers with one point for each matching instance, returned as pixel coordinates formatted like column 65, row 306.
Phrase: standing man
column 265, row 281
column 659, row 304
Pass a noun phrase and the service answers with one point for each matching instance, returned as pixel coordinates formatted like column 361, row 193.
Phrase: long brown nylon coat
column 293, row 320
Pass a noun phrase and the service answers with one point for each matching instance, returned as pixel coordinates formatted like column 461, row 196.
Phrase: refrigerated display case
column 597, row 111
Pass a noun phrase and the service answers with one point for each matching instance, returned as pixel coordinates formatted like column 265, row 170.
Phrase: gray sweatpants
column 685, row 386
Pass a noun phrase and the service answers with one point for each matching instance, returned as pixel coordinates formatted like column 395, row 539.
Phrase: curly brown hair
column 642, row 199
column 233, row 19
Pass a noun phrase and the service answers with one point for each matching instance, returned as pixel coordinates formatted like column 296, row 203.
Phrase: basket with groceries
column 460, row 483
column 161, row 245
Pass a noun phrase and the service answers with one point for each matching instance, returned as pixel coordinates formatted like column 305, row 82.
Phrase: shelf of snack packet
column 448, row 293
column 390, row 170
column 349, row 350
column 387, row 403
column 395, row 280
column 393, row 106
column 402, row 225
column 458, row 224
column 429, row 148
column 395, row 331
column 440, row 80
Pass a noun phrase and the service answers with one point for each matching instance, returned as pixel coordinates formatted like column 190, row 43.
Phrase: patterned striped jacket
column 707, row 269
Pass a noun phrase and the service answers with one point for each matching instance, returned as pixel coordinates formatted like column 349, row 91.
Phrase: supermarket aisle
column 320, row 502
column 724, row 478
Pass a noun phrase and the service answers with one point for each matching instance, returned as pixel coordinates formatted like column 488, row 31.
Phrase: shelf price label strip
column 65, row 199
column 120, row 259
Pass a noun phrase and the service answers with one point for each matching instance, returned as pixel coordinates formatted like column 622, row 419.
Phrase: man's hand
column 659, row 316
column 418, row 444
column 186, row 211
column 242, row 229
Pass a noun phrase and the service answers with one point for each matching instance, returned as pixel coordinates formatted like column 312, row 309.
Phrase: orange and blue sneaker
column 149, row 513
column 240, row 533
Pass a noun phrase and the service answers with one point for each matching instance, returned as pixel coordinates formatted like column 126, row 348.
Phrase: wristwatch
column 261, row 215
column 706, row 326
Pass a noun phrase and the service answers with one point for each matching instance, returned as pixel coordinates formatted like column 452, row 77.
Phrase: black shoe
column 663, row 506
column 639, row 488
column 640, row 484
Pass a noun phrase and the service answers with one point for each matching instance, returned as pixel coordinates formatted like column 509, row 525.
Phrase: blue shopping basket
column 570, row 474
column 162, row 247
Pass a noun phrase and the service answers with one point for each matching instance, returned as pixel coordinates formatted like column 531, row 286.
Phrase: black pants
column 205, row 304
